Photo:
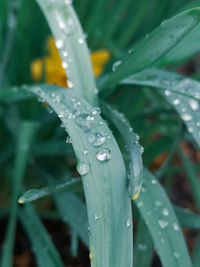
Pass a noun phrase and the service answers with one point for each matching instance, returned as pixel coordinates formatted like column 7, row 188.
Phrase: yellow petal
column 52, row 49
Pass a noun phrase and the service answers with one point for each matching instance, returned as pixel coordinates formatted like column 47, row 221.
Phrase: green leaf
column 192, row 177
column 135, row 150
column 34, row 194
column 103, row 174
column 26, row 135
column 155, row 45
column 196, row 253
column 187, row 218
column 181, row 92
column 70, row 41
column 143, row 246
column 159, row 216
column 44, row 249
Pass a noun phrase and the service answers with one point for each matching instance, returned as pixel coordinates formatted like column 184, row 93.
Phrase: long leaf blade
column 155, row 45
column 162, row 223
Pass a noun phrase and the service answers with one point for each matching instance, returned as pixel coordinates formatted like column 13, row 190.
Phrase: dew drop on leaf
column 163, row 224
column 97, row 139
column 83, row 168
column 193, row 104
column 103, row 154
column 85, row 121
column 116, row 65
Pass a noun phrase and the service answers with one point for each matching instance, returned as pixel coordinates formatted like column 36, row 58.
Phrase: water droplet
column 140, row 204
column 167, row 92
column 176, row 227
column 68, row 140
column 165, row 212
column 96, row 217
column 129, row 222
column 97, row 139
column 141, row 149
column 70, row 84
column 176, row 101
column 186, row 117
column 103, row 154
column 142, row 247
column 83, row 168
column 154, row 181
column 85, row 121
column 65, row 65
column 96, row 111
column 194, row 104
column 59, row 43
column 198, row 123
column 176, row 255
column 163, row 224
column 163, row 23
column 65, row 54
column 191, row 130
column 158, row 203
column 80, row 40
column 85, row 152
column 116, row 65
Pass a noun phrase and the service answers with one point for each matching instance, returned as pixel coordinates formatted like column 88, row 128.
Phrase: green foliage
column 142, row 92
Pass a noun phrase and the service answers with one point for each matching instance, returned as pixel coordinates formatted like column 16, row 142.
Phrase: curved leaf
column 103, row 176
column 182, row 93
column 162, row 223
column 135, row 150
column 70, row 41
column 155, row 45
column 34, row 194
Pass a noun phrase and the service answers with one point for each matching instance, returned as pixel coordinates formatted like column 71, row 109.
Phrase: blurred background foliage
column 115, row 26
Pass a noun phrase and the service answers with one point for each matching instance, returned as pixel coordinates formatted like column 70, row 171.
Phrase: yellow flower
column 51, row 66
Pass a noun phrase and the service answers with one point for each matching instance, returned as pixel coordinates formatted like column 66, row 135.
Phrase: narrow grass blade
column 70, row 41
column 11, row 95
column 182, row 93
column 25, row 139
column 34, row 194
column 103, row 175
column 143, row 246
column 155, row 45
column 192, row 177
column 159, row 216
column 187, row 218
column 44, row 249
column 134, row 149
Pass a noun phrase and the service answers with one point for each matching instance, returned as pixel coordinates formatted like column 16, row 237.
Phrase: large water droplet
column 97, row 139
column 103, row 154
column 167, row 92
column 85, row 121
column 83, row 168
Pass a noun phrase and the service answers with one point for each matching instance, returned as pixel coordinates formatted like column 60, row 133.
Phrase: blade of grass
column 27, row 132
column 135, row 150
column 70, row 41
column 182, row 93
column 187, row 218
column 34, row 194
column 104, row 178
column 44, row 249
column 143, row 246
column 159, row 216
column 155, row 45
